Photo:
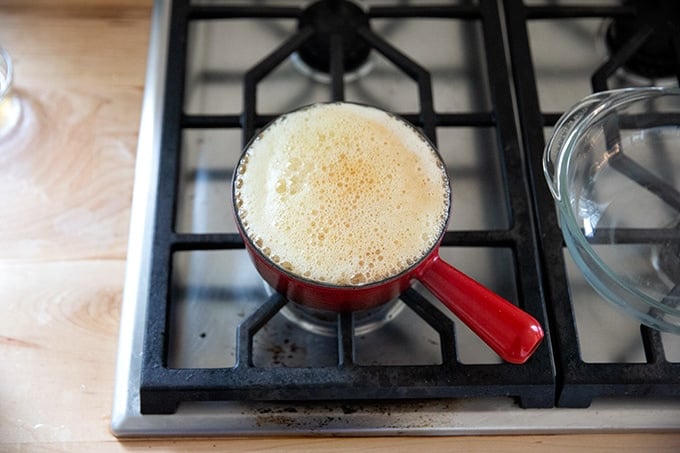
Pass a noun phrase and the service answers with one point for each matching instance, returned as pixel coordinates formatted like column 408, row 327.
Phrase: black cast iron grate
column 579, row 382
column 163, row 388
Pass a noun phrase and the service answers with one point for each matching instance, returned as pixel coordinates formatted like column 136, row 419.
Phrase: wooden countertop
column 65, row 187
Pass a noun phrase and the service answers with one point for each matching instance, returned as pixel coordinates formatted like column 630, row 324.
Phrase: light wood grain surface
column 65, row 187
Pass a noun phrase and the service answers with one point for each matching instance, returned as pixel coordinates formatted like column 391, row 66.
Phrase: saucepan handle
column 512, row 333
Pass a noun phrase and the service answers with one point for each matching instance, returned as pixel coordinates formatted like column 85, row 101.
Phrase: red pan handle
column 512, row 333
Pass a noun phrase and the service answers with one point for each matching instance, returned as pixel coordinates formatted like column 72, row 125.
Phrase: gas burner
column 333, row 19
column 324, row 77
column 652, row 32
column 324, row 322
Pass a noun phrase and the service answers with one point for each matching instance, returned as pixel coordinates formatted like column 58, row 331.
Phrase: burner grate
column 162, row 388
column 578, row 381
column 644, row 42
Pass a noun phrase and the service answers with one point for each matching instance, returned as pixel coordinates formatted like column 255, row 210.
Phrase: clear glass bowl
column 613, row 167
column 9, row 104
column 6, row 73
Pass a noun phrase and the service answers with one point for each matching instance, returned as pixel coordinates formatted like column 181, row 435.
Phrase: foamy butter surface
column 342, row 194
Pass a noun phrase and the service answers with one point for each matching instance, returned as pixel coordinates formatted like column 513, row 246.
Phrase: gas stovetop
column 206, row 348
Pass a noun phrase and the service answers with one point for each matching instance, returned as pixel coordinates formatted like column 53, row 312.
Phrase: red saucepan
column 512, row 333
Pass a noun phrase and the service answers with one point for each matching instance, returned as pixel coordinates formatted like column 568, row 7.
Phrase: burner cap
column 329, row 17
column 656, row 58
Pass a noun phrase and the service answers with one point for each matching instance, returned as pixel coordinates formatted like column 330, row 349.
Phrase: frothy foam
column 342, row 194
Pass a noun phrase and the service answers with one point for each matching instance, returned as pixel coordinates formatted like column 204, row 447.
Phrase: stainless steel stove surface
column 207, row 349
